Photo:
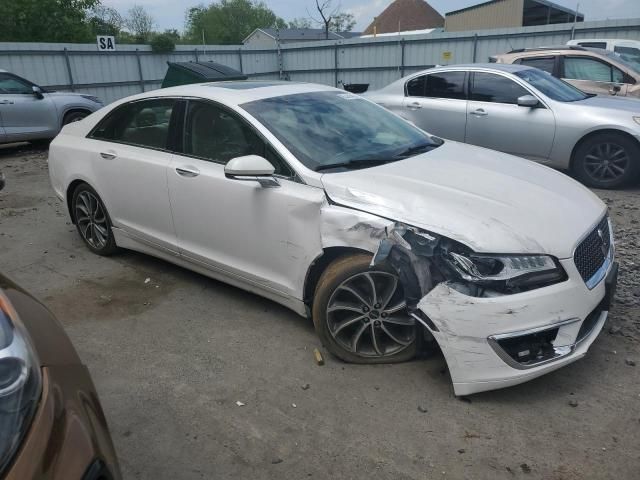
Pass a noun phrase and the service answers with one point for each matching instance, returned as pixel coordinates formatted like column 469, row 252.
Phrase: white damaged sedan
column 388, row 237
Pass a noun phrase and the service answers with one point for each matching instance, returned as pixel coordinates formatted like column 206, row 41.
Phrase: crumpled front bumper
column 466, row 327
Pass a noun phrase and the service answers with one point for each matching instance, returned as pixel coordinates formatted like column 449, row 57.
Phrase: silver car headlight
column 509, row 270
column 20, row 382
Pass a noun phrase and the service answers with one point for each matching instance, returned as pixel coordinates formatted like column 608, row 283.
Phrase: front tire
column 359, row 313
column 607, row 160
column 92, row 221
column 74, row 117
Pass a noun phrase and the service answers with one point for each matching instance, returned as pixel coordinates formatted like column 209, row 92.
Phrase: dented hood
column 490, row 201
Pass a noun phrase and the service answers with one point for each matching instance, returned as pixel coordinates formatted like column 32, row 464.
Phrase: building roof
column 406, row 15
column 291, row 34
column 542, row 2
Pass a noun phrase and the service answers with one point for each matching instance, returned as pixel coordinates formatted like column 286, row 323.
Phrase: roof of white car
column 240, row 91
column 503, row 67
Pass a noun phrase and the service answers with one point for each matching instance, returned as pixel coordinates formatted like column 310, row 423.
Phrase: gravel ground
column 171, row 358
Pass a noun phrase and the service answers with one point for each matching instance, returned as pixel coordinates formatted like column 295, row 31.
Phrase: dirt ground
column 171, row 357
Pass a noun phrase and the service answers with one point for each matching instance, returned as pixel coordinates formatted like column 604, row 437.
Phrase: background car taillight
column 20, row 382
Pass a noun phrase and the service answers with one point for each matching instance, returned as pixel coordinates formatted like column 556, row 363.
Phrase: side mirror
column 251, row 168
column 528, row 101
column 37, row 91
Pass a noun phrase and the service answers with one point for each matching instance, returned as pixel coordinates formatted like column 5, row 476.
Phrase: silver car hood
column 490, row 201
column 611, row 103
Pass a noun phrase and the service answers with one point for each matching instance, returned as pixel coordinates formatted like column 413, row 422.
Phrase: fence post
column 335, row 64
column 68, row 62
column 140, row 70
column 195, row 52
column 402, row 42
column 240, row 59
column 475, row 47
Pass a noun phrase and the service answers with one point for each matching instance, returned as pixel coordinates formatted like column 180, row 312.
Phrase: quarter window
column 488, row 87
column 579, row 68
column 438, row 85
column 214, row 134
column 543, row 63
column 143, row 123
column 13, row 85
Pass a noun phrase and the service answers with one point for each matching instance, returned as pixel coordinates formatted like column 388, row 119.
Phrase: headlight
column 508, row 270
column 92, row 98
column 20, row 382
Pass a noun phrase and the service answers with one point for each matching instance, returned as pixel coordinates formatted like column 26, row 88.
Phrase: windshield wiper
column 355, row 163
column 421, row 148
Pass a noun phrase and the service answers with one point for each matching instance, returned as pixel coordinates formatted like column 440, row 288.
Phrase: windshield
column 628, row 56
column 552, row 87
column 323, row 129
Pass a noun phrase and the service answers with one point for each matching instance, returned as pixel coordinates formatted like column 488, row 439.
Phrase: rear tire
column 607, row 160
column 92, row 221
column 359, row 313
column 74, row 117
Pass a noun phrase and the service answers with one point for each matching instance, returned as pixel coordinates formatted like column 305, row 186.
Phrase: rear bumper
column 484, row 340
column 69, row 437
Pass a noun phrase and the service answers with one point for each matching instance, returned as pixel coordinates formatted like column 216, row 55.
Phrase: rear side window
column 143, row 123
column 13, row 85
column 488, row 87
column 438, row 85
column 543, row 63
column 582, row 68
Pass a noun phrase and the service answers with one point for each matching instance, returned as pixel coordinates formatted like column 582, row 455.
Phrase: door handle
column 6, row 102
column 107, row 156
column 189, row 172
column 414, row 105
column 479, row 113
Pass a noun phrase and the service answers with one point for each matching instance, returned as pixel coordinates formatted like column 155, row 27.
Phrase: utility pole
column 575, row 19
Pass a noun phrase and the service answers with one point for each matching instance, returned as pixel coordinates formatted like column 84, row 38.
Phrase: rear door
column 593, row 75
column 130, row 155
column 437, row 103
column 496, row 121
column 25, row 116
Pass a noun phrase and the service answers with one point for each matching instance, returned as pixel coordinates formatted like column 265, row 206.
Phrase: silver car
column 30, row 113
column 526, row 112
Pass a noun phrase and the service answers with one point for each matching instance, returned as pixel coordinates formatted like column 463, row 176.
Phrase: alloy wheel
column 92, row 220
column 606, row 162
column 367, row 315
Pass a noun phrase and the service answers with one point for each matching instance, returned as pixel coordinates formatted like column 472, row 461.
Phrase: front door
column 129, row 151
column 437, row 104
column 496, row 121
column 594, row 76
column 239, row 227
column 25, row 116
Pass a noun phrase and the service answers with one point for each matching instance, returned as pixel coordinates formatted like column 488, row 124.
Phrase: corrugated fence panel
column 376, row 61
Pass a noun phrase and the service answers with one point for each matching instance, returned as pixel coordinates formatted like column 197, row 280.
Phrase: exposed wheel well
column 320, row 264
column 590, row 135
column 72, row 188
column 74, row 110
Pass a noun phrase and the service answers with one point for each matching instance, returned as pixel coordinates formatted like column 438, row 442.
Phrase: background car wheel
column 608, row 160
column 74, row 117
column 92, row 221
column 359, row 313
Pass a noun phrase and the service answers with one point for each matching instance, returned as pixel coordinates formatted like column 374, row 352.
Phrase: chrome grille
column 593, row 251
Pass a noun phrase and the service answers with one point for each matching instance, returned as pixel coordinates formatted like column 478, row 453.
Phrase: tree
column 327, row 12
column 163, row 43
column 105, row 21
column 46, row 20
column 300, row 23
column 342, row 22
column 140, row 23
column 229, row 21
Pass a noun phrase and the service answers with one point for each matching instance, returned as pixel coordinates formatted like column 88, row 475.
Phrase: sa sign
column 106, row 43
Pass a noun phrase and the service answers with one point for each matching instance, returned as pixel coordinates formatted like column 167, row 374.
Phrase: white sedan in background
column 326, row 203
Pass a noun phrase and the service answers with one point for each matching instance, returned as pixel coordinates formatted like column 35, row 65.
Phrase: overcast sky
column 171, row 13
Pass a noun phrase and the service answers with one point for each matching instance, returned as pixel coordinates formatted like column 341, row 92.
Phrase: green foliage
column 139, row 23
column 163, row 43
column 229, row 21
column 300, row 23
column 342, row 22
column 46, row 20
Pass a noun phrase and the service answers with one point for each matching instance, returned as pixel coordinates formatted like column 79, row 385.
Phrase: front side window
column 143, row 123
column 13, row 85
column 543, row 63
column 581, row 68
column 630, row 55
column 328, row 128
column 489, row 87
column 212, row 133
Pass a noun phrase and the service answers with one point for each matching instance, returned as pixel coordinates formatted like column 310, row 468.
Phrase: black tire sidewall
column 631, row 173
column 110, row 248
column 74, row 117
column 336, row 273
